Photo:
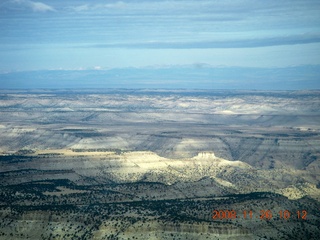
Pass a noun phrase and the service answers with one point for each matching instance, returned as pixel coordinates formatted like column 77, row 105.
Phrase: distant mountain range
column 197, row 76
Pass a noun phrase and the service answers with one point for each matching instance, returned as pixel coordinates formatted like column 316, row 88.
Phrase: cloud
column 97, row 68
column 81, row 8
column 95, row 7
column 219, row 43
column 40, row 7
column 118, row 4
column 25, row 5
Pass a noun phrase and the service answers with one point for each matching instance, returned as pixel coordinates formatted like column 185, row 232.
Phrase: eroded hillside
column 142, row 164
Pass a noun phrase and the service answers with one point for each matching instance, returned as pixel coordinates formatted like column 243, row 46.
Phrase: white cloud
column 41, row 7
column 81, row 8
column 119, row 4
column 93, row 7
column 28, row 5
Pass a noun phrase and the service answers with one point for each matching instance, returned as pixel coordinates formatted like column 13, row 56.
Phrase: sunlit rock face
column 205, row 155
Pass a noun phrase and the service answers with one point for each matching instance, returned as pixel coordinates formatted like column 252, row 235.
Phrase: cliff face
column 205, row 155
column 171, row 230
column 41, row 227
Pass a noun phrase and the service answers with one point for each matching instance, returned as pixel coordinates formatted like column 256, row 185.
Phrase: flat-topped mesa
column 205, row 155
column 213, row 159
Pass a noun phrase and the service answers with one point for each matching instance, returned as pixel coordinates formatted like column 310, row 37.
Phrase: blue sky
column 102, row 35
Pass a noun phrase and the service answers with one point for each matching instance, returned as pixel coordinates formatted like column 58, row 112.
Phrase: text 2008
column 263, row 215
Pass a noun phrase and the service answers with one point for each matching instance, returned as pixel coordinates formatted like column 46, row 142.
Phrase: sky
column 262, row 40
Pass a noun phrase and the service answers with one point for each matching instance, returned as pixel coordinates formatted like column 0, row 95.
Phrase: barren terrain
column 142, row 164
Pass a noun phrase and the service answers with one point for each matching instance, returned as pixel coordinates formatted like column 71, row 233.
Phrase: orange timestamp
column 263, row 215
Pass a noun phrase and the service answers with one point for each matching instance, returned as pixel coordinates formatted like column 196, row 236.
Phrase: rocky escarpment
column 165, row 230
column 205, row 173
